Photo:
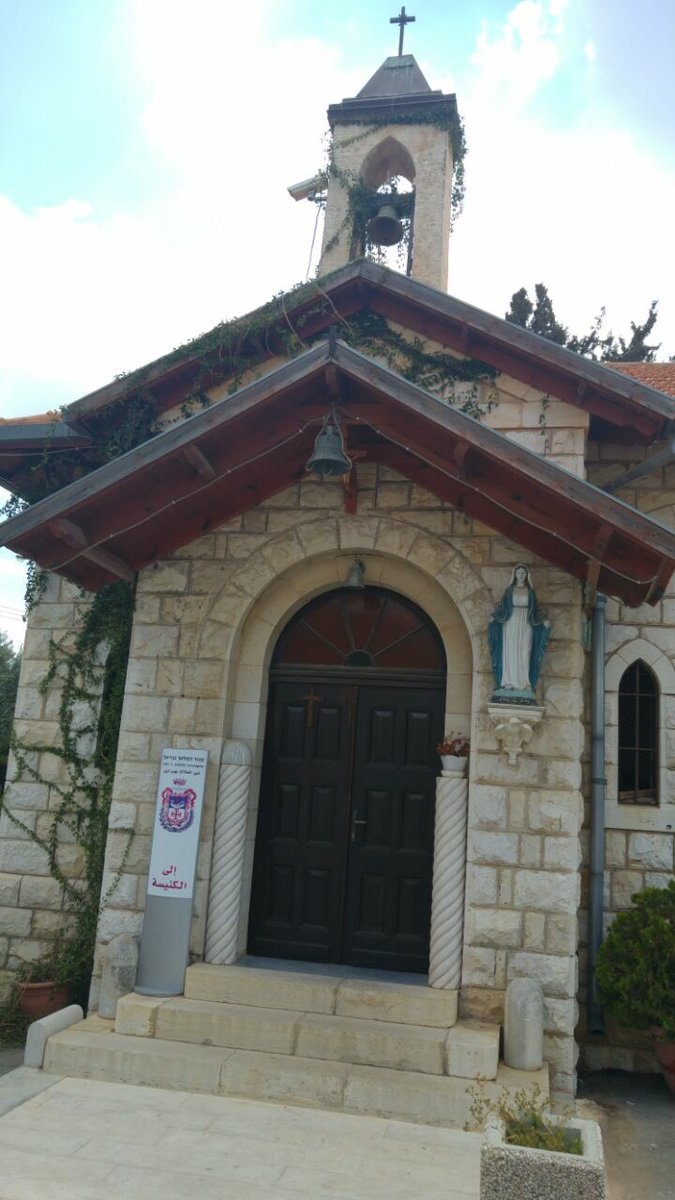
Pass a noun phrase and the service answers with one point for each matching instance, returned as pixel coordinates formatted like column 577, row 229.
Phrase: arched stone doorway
column 344, row 848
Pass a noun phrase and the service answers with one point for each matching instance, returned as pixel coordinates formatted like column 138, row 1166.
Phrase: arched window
column 638, row 735
column 362, row 628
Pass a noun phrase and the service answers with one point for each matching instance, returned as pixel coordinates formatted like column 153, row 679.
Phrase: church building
column 363, row 519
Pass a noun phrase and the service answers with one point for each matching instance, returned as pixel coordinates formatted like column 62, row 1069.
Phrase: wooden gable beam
column 71, row 534
column 199, row 461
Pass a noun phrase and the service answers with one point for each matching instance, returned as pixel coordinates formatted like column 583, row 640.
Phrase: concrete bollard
column 120, row 963
column 524, row 1025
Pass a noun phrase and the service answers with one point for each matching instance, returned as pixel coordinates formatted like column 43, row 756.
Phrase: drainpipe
column 598, row 786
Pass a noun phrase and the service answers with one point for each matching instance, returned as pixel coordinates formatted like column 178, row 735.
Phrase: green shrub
column 636, row 963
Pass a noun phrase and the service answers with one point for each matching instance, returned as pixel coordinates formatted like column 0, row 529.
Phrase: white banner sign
column 175, row 840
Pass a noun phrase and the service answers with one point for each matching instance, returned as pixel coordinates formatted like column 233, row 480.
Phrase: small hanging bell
column 385, row 229
column 328, row 457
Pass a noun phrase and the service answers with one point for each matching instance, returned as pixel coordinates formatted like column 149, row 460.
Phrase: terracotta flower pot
column 39, row 999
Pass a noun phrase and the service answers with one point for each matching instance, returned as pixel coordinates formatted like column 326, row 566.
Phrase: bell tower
column 396, row 131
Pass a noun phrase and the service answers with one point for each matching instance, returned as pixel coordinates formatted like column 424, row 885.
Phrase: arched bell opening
column 384, row 213
column 344, row 847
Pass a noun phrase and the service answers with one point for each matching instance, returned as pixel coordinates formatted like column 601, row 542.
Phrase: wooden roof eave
column 114, row 520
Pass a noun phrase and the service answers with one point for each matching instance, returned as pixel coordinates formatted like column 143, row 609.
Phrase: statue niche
column 518, row 636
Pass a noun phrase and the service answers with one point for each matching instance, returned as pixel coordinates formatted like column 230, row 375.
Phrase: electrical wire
column 196, row 492
column 311, row 249
column 298, row 433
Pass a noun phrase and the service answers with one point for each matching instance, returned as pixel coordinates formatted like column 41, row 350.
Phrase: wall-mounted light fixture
column 357, row 575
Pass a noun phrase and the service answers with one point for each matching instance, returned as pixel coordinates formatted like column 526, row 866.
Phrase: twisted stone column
column 227, row 863
column 447, row 897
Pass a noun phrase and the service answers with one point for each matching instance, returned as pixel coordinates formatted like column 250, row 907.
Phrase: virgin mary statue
column 518, row 636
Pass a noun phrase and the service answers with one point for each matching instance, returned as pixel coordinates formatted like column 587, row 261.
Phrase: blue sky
column 146, row 147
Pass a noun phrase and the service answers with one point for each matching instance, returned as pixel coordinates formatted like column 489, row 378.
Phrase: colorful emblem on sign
column 178, row 807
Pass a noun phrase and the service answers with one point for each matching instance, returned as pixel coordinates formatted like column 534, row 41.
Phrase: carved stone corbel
column 513, row 726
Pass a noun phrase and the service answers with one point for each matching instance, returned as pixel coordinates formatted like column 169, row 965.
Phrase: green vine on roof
column 435, row 370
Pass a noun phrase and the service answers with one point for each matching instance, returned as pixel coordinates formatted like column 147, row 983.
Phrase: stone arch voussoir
column 337, row 538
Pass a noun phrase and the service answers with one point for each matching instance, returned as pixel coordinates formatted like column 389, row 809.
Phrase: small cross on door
column 312, row 699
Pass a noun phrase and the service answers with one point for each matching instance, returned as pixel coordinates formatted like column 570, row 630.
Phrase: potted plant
column 61, row 975
column 636, row 971
column 42, row 987
column 454, row 752
column 527, row 1151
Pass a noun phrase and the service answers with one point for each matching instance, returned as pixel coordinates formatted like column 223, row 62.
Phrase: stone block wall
column 640, row 839
column 524, row 820
column 551, row 428
column 524, row 851
column 31, row 903
column 428, row 148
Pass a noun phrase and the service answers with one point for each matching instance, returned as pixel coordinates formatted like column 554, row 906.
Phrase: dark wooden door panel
column 301, row 844
column 388, row 898
column 344, row 845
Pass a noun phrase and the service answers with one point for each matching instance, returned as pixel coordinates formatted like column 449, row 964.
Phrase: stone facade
column 205, row 626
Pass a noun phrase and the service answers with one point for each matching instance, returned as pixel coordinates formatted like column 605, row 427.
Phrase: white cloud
column 231, row 119
column 511, row 66
column 582, row 208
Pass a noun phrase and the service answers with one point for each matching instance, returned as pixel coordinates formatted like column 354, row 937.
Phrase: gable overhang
column 23, row 443
column 249, row 446
column 623, row 404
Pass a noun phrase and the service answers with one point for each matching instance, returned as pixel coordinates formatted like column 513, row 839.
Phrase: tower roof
column 399, row 75
column 397, row 87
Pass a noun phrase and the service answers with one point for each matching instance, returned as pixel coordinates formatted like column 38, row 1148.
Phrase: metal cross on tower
column 401, row 20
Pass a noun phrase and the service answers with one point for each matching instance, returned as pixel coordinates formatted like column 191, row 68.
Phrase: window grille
column 638, row 736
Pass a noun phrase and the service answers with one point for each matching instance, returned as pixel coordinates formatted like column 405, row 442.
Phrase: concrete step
column 390, row 997
column 92, row 1050
column 469, row 1050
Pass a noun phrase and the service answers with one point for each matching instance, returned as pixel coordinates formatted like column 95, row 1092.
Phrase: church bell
column 328, row 457
column 385, row 229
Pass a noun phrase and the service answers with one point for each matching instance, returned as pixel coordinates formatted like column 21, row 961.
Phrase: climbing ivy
column 435, row 370
column 89, row 670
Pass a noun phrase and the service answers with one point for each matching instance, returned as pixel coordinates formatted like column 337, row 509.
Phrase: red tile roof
column 656, row 375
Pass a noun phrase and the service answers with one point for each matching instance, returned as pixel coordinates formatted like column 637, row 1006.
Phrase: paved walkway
column 637, row 1117
column 77, row 1139
column 81, row 1139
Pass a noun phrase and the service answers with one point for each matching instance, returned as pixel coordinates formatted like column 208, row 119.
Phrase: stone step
column 92, row 1050
column 397, row 998
column 469, row 1049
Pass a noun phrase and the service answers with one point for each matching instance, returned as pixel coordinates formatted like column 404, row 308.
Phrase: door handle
column 356, row 821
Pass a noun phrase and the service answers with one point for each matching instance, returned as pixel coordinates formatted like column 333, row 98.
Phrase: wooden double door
column 344, row 848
